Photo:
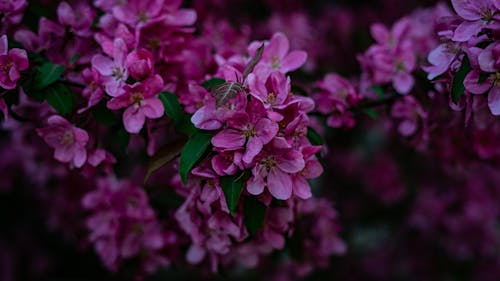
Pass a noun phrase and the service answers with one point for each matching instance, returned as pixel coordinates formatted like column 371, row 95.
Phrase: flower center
column 137, row 98
column 487, row 15
column 400, row 66
column 6, row 68
column 142, row 16
column 117, row 73
column 271, row 98
column 275, row 62
column 67, row 138
column 248, row 132
column 496, row 79
column 269, row 163
column 154, row 43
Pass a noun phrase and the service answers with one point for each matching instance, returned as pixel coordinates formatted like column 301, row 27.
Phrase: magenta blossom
column 335, row 97
column 68, row 141
column 276, row 56
column 274, row 170
column 251, row 130
column 114, row 71
column 488, row 61
column 11, row 63
column 140, row 64
column 477, row 14
column 312, row 169
column 138, row 11
column 141, row 100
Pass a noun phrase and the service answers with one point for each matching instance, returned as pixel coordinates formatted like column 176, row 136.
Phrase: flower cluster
column 263, row 126
column 469, row 52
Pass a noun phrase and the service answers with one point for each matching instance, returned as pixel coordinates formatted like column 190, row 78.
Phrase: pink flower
column 94, row 92
column 138, row 11
column 274, row 170
column 140, row 64
column 68, row 141
column 441, row 59
column 335, row 97
column 247, row 130
column 488, row 61
column 409, row 111
column 477, row 14
column 12, row 62
column 312, row 169
column 276, row 56
column 273, row 93
column 141, row 100
column 114, row 71
column 79, row 17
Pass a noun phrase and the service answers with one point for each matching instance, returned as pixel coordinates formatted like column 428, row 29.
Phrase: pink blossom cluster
column 263, row 127
column 468, row 48
column 123, row 225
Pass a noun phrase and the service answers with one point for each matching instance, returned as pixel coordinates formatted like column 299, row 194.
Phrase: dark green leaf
column 192, row 152
column 314, row 137
column 254, row 214
column 209, row 84
column 172, row 106
column 75, row 57
column 47, row 74
column 457, row 86
column 371, row 112
column 379, row 91
column 61, row 98
column 232, row 187
column 163, row 156
column 103, row 115
column 482, row 77
column 123, row 139
column 185, row 126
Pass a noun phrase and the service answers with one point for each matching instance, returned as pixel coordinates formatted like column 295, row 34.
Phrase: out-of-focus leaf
column 254, row 214
column 164, row 155
column 103, row 115
column 192, row 152
column 370, row 112
column 314, row 137
column 457, row 85
column 379, row 91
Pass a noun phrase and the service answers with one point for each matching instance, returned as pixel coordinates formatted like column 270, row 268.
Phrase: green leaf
column 185, row 126
column 209, row 84
column 482, row 77
column 457, row 85
column 103, row 115
column 371, row 112
column 379, row 91
column 192, row 152
column 172, row 106
column 75, row 57
column 254, row 214
column 61, row 98
column 123, row 139
column 47, row 74
column 163, row 156
column 314, row 137
column 232, row 187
